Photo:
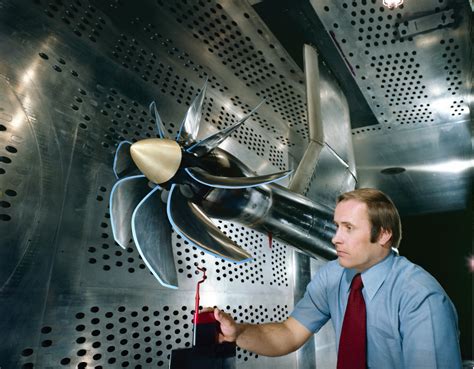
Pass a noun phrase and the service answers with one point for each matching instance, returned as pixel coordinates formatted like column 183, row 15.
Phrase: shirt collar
column 373, row 277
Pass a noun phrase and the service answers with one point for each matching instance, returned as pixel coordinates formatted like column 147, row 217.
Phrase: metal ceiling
column 407, row 74
column 413, row 68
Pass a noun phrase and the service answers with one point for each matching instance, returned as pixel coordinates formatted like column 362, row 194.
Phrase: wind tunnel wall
column 76, row 78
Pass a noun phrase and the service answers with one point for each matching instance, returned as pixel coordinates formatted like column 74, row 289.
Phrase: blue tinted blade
column 152, row 235
column 159, row 123
column 190, row 126
column 123, row 162
column 126, row 194
column 207, row 179
column 189, row 221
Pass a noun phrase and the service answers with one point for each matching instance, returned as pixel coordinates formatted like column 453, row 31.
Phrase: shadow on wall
column 442, row 244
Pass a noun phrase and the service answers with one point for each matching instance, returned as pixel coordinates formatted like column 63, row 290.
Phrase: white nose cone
column 157, row 158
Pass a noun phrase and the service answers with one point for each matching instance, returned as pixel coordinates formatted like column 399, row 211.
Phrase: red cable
column 196, row 300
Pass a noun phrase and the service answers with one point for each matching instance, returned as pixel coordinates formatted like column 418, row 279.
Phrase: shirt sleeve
column 313, row 309
column 430, row 337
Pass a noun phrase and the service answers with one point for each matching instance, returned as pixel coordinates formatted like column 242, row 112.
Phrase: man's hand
column 229, row 329
column 269, row 339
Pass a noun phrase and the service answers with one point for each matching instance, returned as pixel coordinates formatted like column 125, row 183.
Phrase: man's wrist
column 240, row 329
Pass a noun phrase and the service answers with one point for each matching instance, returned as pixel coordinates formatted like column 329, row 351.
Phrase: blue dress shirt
column 411, row 322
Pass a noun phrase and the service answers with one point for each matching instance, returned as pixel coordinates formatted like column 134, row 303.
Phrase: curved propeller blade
column 190, row 126
column 207, row 179
column 123, row 162
column 191, row 223
column 159, row 123
column 152, row 236
column 211, row 142
column 124, row 197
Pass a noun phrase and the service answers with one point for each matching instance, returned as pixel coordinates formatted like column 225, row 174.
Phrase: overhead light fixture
column 392, row 4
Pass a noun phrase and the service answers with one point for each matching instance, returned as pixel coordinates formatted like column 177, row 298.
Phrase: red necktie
column 353, row 342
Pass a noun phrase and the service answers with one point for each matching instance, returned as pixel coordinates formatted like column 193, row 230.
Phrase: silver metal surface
column 442, row 173
column 123, row 162
column 313, row 94
column 413, row 65
column 301, row 181
column 205, row 178
column 325, row 339
column 126, row 194
column 214, row 140
column 305, row 170
column 144, row 215
column 160, row 128
column 152, row 237
column 192, row 223
column 306, row 356
column 426, row 23
column 289, row 217
column 307, row 224
column 190, row 126
column 270, row 209
column 323, row 171
column 77, row 78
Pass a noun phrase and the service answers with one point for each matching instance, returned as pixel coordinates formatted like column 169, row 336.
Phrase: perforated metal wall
column 76, row 78
column 121, row 336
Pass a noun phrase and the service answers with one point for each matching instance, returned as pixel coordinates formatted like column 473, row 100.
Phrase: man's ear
column 385, row 236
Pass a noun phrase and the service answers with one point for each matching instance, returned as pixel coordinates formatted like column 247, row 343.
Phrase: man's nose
column 336, row 238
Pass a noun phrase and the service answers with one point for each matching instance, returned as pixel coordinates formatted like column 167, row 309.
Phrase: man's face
column 352, row 238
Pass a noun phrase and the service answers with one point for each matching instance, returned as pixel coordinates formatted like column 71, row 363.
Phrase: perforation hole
column 141, row 335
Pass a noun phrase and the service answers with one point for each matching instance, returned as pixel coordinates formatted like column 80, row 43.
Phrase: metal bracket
column 426, row 23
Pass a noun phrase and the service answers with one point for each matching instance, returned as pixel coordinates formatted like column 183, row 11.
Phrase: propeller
column 211, row 142
column 141, row 210
column 208, row 179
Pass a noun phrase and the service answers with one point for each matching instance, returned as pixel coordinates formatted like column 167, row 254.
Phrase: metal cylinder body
column 290, row 217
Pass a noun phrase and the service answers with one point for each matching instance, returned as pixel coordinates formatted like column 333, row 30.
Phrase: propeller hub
column 157, row 158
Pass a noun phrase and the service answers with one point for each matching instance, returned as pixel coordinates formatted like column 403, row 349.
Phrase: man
column 399, row 317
